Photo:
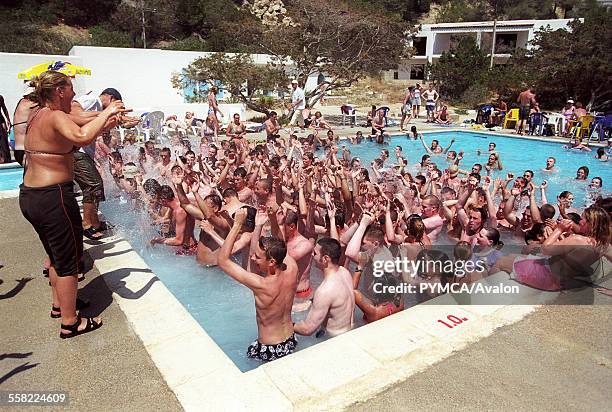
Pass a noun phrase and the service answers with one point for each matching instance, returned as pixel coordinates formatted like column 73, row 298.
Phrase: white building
column 434, row 39
column 142, row 76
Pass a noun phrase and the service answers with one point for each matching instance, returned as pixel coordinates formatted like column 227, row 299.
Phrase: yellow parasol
column 67, row 68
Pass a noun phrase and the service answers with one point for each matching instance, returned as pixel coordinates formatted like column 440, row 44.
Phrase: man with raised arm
column 300, row 249
column 334, row 301
column 273, row 290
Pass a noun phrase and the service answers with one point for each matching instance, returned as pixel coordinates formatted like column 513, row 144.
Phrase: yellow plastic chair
column 584, row 125
column 511, row 117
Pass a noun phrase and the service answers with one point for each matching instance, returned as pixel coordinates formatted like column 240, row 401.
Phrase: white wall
column 12, row 63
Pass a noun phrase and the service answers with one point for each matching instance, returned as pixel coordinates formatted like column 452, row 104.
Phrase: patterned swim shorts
column 266, row 353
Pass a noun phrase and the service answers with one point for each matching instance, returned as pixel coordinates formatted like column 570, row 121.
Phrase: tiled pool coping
column 332, row 374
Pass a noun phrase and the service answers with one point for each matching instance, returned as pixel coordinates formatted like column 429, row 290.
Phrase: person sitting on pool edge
column 273, row 290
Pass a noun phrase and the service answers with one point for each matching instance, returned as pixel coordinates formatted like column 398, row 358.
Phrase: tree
column 237, row 73
column 336, row 38
column 573, row 63
column 460, row 68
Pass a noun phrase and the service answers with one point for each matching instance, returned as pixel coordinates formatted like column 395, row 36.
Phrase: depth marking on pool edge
column 192, row 391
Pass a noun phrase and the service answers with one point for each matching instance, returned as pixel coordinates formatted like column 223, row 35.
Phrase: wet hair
column 365, row 173
column 478, row 165
column 116, row 157
column 413, row 129
column 229, row 192
column 547, row 211
column 447, row 189
column 291, row 218
column 423, row 158
column 600, row 152
column 600, row 180
column 476, row 175
column 151, row 186
column 565, row 194
column 585, row 170
column 529, row 171
column 274, row 249
column 420, row 178
column 574, row 217
column 493, row 235
column 215, row 199
column 492, row 143
column 44, row 86
column 240, row 171
column 599, row 222
column 330, row 247
column 536, row 231
column 416, row 227
column 375, row 233
column 462, row 250
column 166, row 193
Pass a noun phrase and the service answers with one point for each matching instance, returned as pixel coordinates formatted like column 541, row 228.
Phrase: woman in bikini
column 46, row 198
column 564, row 259
column 213, row 109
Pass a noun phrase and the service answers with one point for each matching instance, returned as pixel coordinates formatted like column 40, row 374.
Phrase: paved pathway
column 108, row 369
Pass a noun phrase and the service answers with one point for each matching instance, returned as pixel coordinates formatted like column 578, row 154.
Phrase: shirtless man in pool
column 300, row 249
column 273, row 287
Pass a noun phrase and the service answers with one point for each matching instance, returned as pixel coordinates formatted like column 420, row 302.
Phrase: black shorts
column 88, row 178
column 524, row 112
column 54, row 213
column 263, row 352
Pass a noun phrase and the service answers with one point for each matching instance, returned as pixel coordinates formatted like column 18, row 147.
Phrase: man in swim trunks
column 526, row 99
column 334, row 301
column 181, row 222
column 431, row 98
column 272, row 127
column 273, row 288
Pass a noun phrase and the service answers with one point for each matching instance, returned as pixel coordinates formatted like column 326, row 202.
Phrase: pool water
column 10, row 178
column 517, row 155
column 226, row 310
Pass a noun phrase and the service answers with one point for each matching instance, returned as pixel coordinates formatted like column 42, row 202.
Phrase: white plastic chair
column 348, row 112
column 151, row 125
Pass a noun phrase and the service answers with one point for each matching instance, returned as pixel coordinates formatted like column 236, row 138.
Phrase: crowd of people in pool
column 266, row 211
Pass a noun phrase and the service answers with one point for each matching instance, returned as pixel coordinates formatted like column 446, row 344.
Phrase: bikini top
column 30, row 151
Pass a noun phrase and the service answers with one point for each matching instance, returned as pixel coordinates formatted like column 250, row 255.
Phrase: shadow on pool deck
column 108, row 369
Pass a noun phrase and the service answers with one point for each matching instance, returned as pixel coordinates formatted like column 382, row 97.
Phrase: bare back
column 20, row 121
column 273, row 304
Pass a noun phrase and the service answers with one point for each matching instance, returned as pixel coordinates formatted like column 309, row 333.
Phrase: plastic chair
column 151, row 125
column 512, row 117
column 536, row 123
column 581, row 127
column 558, row 120
column 601, row 128
column 349, row 112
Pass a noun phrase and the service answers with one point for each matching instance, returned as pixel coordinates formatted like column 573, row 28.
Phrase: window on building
column 417, row 72
column 420, row 45
column 505, row 42
column 395, row 75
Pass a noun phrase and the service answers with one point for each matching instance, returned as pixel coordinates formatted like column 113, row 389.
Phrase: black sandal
column 74, row 329
column 80, row 304
column 90, row 232
column 104, row 226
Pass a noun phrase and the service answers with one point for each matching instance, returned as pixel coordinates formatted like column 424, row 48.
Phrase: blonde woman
column 46, row 198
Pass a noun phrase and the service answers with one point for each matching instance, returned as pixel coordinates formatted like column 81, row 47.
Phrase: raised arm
column 248, row 279
column 354, row 245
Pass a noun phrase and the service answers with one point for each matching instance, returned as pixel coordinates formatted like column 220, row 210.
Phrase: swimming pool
column 225, row 309
column 10, row 178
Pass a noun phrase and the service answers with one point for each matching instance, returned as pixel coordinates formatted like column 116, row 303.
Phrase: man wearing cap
column 298, row 103
column 85, row 172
